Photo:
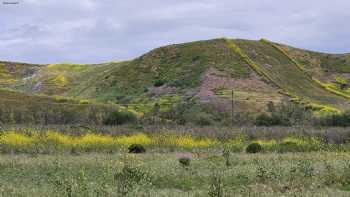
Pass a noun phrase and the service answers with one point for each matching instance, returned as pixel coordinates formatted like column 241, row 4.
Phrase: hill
column 22, row 108
column 258, row 73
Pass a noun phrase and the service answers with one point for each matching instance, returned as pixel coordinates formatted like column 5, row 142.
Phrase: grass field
column 292, row 162
column 160, row 174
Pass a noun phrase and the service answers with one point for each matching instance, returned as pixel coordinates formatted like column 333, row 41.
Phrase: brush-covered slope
column 12, row 73
column 17, row 108
column 332, row 69
column 289, row 76
column 258, row 72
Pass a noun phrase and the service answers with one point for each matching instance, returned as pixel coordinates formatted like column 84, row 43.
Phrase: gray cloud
column 89, row 31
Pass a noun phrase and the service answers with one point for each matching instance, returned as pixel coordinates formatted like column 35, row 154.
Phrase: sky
column 93, row 31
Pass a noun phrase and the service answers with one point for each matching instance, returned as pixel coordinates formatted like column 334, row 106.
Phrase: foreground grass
column 160, row 174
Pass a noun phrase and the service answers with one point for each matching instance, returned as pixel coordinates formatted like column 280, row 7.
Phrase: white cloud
column 43, row 31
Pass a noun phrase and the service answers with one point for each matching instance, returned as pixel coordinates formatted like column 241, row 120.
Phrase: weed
column 226, row 154
column 129, row 178
column 216, row 188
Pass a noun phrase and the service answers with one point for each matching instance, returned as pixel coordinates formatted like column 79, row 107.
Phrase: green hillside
column 207, row 71
column 20, row 108
column 284, row 73
column 12, row 73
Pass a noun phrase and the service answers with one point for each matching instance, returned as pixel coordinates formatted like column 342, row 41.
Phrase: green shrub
column 254, row 148
column 286, row 114
column 158, row 82
column 120, row 117
column 192, row 112
column 84, row 102
column 185, row 161
column 267, row 120
column 129, row 178
column 136, row 148
column 338, row 120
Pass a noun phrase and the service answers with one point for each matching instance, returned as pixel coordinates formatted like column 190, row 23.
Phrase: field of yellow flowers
column 52, row 141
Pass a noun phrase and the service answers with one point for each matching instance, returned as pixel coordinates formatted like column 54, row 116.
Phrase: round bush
column 254, row 148
column 136, row 148
column 158, row 83
column 185, row 161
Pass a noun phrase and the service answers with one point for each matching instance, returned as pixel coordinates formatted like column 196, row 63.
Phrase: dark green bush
column 286, row 114
column 120, row 117
column 267, row 120
column 158, row 82
column 337, row 120
column 136, row 148
column 185, row 161
column 193, row 113
column 254, row 148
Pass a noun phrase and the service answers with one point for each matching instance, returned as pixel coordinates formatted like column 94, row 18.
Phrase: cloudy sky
column 91, row 31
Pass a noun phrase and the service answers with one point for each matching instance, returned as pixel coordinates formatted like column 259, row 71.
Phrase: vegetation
column 154, row 174
column 274, row 63
column 136, row 148
column 254, row 148
column 21, row 108
column 336, row 120
column 49, row 142
column 287, row 114
column 185, row 161
column 72, row 130
column 120, row 117
column 81, row 162
column 173, row 74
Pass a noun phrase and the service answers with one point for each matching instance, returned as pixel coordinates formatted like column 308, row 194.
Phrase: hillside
column 258, row 72
column 22, row 108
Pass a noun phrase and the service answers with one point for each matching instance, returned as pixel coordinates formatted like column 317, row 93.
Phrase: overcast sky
column 91, row 31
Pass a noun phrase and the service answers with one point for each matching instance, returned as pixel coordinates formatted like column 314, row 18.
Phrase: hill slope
column 20, row 108
column 284, row 73
column 258, row 72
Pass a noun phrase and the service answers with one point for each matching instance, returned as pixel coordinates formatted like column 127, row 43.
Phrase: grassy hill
column 258, row 72
column 23, row 108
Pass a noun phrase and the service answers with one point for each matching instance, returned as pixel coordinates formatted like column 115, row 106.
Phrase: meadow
column 179, row 161
column 160, row 174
